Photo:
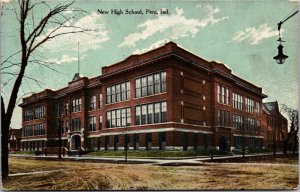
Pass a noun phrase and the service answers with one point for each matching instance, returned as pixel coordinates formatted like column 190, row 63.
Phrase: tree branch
column 10, row 57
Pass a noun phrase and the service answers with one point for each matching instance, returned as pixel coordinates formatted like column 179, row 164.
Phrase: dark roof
column 265, row 109
column 271, row 106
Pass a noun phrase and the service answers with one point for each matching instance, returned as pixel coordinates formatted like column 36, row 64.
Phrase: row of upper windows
column 36, row 113
column 151, row 113
column 117, row 93
column 144, row 86
column 37, row 129
column 63, row 108
column 238, row 121
column 237, row 100
column 144, row 114
column 76, row 124
column 151, row 84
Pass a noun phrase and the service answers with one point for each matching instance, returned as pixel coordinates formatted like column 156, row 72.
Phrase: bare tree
column 34, row 31
column 293, row 116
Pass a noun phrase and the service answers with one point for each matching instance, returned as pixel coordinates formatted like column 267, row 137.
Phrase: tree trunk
column 295, row 143
column 285, row 146
column 4, row 141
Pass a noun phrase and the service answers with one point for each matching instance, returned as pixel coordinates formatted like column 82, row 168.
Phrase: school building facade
column 167, row 98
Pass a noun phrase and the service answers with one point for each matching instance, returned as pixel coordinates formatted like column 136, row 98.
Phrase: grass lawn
column 149, row 154
column 96, row 176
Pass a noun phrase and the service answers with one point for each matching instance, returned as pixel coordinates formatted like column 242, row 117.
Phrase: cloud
column 255, row 35
column 175, row 26
column 5, row 1
column 153, row 46
column 63, row 59
column 90, row 40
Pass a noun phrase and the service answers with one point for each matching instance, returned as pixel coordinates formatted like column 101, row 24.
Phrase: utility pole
column 126, row 147
column 60, row 120
column 274, row 134
column 243, row 132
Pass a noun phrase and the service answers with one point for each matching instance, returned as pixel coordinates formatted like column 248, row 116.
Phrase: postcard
column 149, row 95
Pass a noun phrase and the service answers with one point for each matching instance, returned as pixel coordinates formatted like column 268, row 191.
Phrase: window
column 151, row 113
column 150, row 84
column 118, row 118
column 144, row 86
column 76, row 105
column 128, row 117
column 219, row 94
column 76, row 124
column 156, row 83
column 113, row 94
column 100, row 101
column 163, row 111
column 223, row 118
column 28, row 115
column 257, row 108
column 163, row 81
column 123, row 91
column 127, row 90
column 238, row 121
column 249, row 105
column 39, row 112
column 100, row 122
column 92, row 124
column 113, row 118
column 66, row 108
column 227, row 97
column 108, row 95
column 138, row 88
column 39, row 129
column 123, row 117
column 118, row 92
column 223, row 95
column 258, row 125
column 28, row 131
column 138, row 115
column 219, row 117
column 250, row 124
column 237, row 101
column 92, row 103
column 144, row 114
column 108, row 119
column 239, row 142
column 156, row 112
column 58, row 110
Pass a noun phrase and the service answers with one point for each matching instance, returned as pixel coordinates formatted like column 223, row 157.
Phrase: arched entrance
column 75, row 142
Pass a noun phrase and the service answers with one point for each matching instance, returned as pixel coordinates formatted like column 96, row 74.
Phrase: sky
column 241, row 34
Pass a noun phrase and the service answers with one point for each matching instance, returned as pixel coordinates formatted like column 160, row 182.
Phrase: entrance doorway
column 223, row 144
column 75, row 142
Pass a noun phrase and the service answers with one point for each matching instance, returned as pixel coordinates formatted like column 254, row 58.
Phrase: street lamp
column 280, row 58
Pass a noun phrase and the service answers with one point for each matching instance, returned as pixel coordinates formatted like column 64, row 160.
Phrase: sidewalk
column 171, row 161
